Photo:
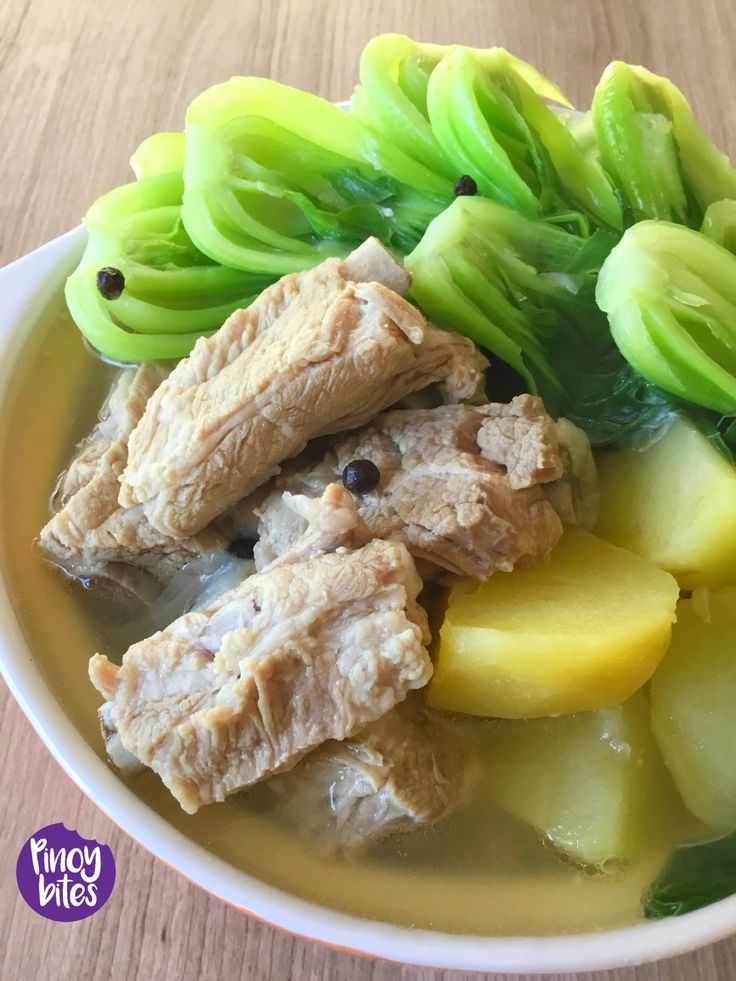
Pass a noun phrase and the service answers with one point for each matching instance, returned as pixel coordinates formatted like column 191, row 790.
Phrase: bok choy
column 670, row 296
column 695, row 876
column 660, row 160
column 173, row 293
column 392, row 97
column 524, row 290
column 277, row 179
column 719, row 223
column 490, row 114
column 485, row 113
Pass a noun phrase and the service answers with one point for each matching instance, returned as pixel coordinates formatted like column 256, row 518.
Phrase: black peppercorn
column 110, row 282
column 465, row 186
column 360, row 476
column 242, row 548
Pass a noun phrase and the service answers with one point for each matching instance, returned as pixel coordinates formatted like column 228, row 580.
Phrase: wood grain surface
column 81, row 83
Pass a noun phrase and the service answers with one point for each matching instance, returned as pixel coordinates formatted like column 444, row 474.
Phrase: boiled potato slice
column 580, row 632
column 694, row 710
column 674, row 503
column 593, row 784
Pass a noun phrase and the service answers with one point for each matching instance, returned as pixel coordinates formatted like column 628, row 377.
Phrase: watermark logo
column 63, row 876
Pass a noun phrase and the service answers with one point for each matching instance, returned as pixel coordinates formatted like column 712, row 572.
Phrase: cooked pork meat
column 521, row 438
column 118, row 755
column 330, row 522
column 399, row 773
column 309, row 650
column 575, row 496
column 469, row 489
column 317, row 353
column 107, row 444
column 92, row 535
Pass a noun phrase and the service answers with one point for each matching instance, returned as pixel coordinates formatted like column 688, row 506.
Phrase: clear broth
column 479, row 872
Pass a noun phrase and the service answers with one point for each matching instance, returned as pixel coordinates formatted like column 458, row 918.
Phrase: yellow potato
column 582, row 631
column 594, row 783
column 693, row 696
column 674, row 503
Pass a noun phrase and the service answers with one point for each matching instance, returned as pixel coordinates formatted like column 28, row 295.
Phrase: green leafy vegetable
column 392, row 97
column 173, row 293
column 524, row 289
column 651, row 145
column 277, row 179
column 719, row 223
column 488, row 111
column 695, row 876
column 482, row 112
column 267, row 180
column 670, row 296
column 161, row 153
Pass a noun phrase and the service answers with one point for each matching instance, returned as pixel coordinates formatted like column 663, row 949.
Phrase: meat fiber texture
column 91, row 534
column 405, row 771
column 323, row 642
column 317, row 353
column 470, row 490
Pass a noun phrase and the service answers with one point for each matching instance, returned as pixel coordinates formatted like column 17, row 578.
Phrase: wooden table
column 81, row 83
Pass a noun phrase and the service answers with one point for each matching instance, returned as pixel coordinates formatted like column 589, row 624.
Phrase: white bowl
column 26, row 288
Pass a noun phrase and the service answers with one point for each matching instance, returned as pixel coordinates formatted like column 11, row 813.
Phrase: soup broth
column 478, row 872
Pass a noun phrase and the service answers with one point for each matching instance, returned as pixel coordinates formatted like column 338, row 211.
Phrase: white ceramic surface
column 26, row 287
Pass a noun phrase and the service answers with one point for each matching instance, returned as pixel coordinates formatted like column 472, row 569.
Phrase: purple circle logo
column 63, row 876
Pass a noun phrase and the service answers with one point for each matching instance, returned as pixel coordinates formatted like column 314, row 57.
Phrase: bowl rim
column 27, row 286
